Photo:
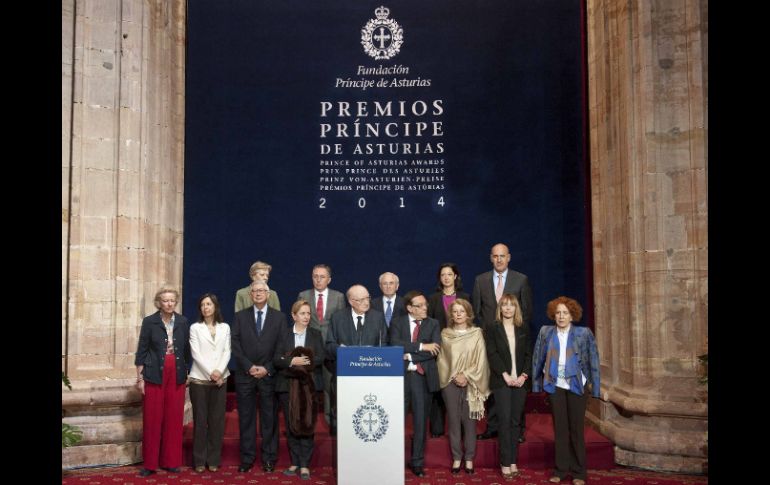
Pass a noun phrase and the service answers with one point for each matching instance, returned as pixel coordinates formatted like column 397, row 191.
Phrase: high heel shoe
column 455, row 469
column 469, row 469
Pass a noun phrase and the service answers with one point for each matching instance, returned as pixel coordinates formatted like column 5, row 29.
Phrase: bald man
column 487, row 290
column 359, row 325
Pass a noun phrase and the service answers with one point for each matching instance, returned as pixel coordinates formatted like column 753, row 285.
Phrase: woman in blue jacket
column 566, row 365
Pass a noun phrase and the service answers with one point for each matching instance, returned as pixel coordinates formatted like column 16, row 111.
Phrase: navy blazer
column 430, row 332
column 282, row 361
column 436, row 306
column 151, row 349
column 399, row 308
column 583, row 344
column 342, row 331
column 247, row 348
column 499, row 354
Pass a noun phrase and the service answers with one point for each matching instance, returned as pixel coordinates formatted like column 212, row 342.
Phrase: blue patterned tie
column 259, row 322
column 388, row 314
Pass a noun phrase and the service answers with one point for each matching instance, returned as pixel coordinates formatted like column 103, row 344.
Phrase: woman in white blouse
column 210, row 346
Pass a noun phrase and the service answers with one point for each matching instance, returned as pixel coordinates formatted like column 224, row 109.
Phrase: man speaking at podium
column 358, row 325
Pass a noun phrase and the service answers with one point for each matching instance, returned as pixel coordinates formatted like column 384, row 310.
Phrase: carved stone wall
column 122, row 194
column 648, row 81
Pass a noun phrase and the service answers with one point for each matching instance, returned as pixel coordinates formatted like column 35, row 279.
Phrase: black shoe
column 455, row 471
column 244, row 467
column 436, row 435
column 470, row 471
column 486, row 435
column 145, row 472
column 172, row 470
column 268, row 467
column 418, row 471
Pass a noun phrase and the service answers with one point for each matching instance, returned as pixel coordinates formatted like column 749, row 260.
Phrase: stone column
column 648, row 113
column 122, row 211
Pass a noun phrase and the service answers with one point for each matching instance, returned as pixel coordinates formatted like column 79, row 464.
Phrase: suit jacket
column 151, row 348
column 334, row 302
column 209, row 353
column 243, row 299
column 281, row 361
column 436, row 306
column 342, row 331
column 485, row 302
column 584, row 346
column 430, row 332
column 399, row 308
column 247, row 348
column 499, row 353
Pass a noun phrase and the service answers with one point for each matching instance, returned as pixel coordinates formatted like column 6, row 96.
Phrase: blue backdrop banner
column 379, row 137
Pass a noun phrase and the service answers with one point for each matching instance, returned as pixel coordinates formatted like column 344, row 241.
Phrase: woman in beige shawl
column 463, row 372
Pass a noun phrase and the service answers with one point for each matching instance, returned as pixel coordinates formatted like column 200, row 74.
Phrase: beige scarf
column 465, row 352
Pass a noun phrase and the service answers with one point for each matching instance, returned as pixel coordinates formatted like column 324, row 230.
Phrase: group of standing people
column 452, row 365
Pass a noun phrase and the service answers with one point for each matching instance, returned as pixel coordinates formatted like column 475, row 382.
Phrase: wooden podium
column 370, row 415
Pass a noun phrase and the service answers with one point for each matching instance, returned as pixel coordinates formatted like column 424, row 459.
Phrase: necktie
column 319, row 308
column 499, row 289
column 259, row 322
column 415, row 334
column 388, row 314
column 359, row 325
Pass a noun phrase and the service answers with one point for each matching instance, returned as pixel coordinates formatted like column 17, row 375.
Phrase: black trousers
column 510, row 406
column 569, row 411
column 492, row 419
column 208, row 406
column 249, row 393
column 437, row 412
column 300, row 447
column 417, row 396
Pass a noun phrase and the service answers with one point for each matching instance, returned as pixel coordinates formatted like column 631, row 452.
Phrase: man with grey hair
column 254, row 335
column 390, row 304
column 324, row 303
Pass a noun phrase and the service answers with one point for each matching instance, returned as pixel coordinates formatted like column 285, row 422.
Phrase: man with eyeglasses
column 254, row 335
column 359, row 325
column 421, row 338
column 325, row 302
column 390, row 304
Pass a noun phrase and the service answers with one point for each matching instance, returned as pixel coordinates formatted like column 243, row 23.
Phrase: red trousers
column 163, row 420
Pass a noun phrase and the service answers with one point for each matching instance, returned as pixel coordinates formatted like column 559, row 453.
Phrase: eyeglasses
column 360, row 300
column 259, row 291
column 421, row 305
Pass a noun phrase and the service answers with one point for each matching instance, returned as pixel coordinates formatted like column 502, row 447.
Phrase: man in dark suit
column 324, row 303
column 358, row 325
column 255, row 333
column 421, row 337
column 390, row 304
column 487, row 290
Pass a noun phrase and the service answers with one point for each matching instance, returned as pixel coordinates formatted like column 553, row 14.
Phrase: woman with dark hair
column 162, row 359
column 510, row 363
column 449, row 288
column 566, row 366
column 299, row 356
column 463, row 371
column 210, row 346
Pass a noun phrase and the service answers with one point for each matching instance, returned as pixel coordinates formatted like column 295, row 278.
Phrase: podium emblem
column 370, row 421
column 382, row 37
